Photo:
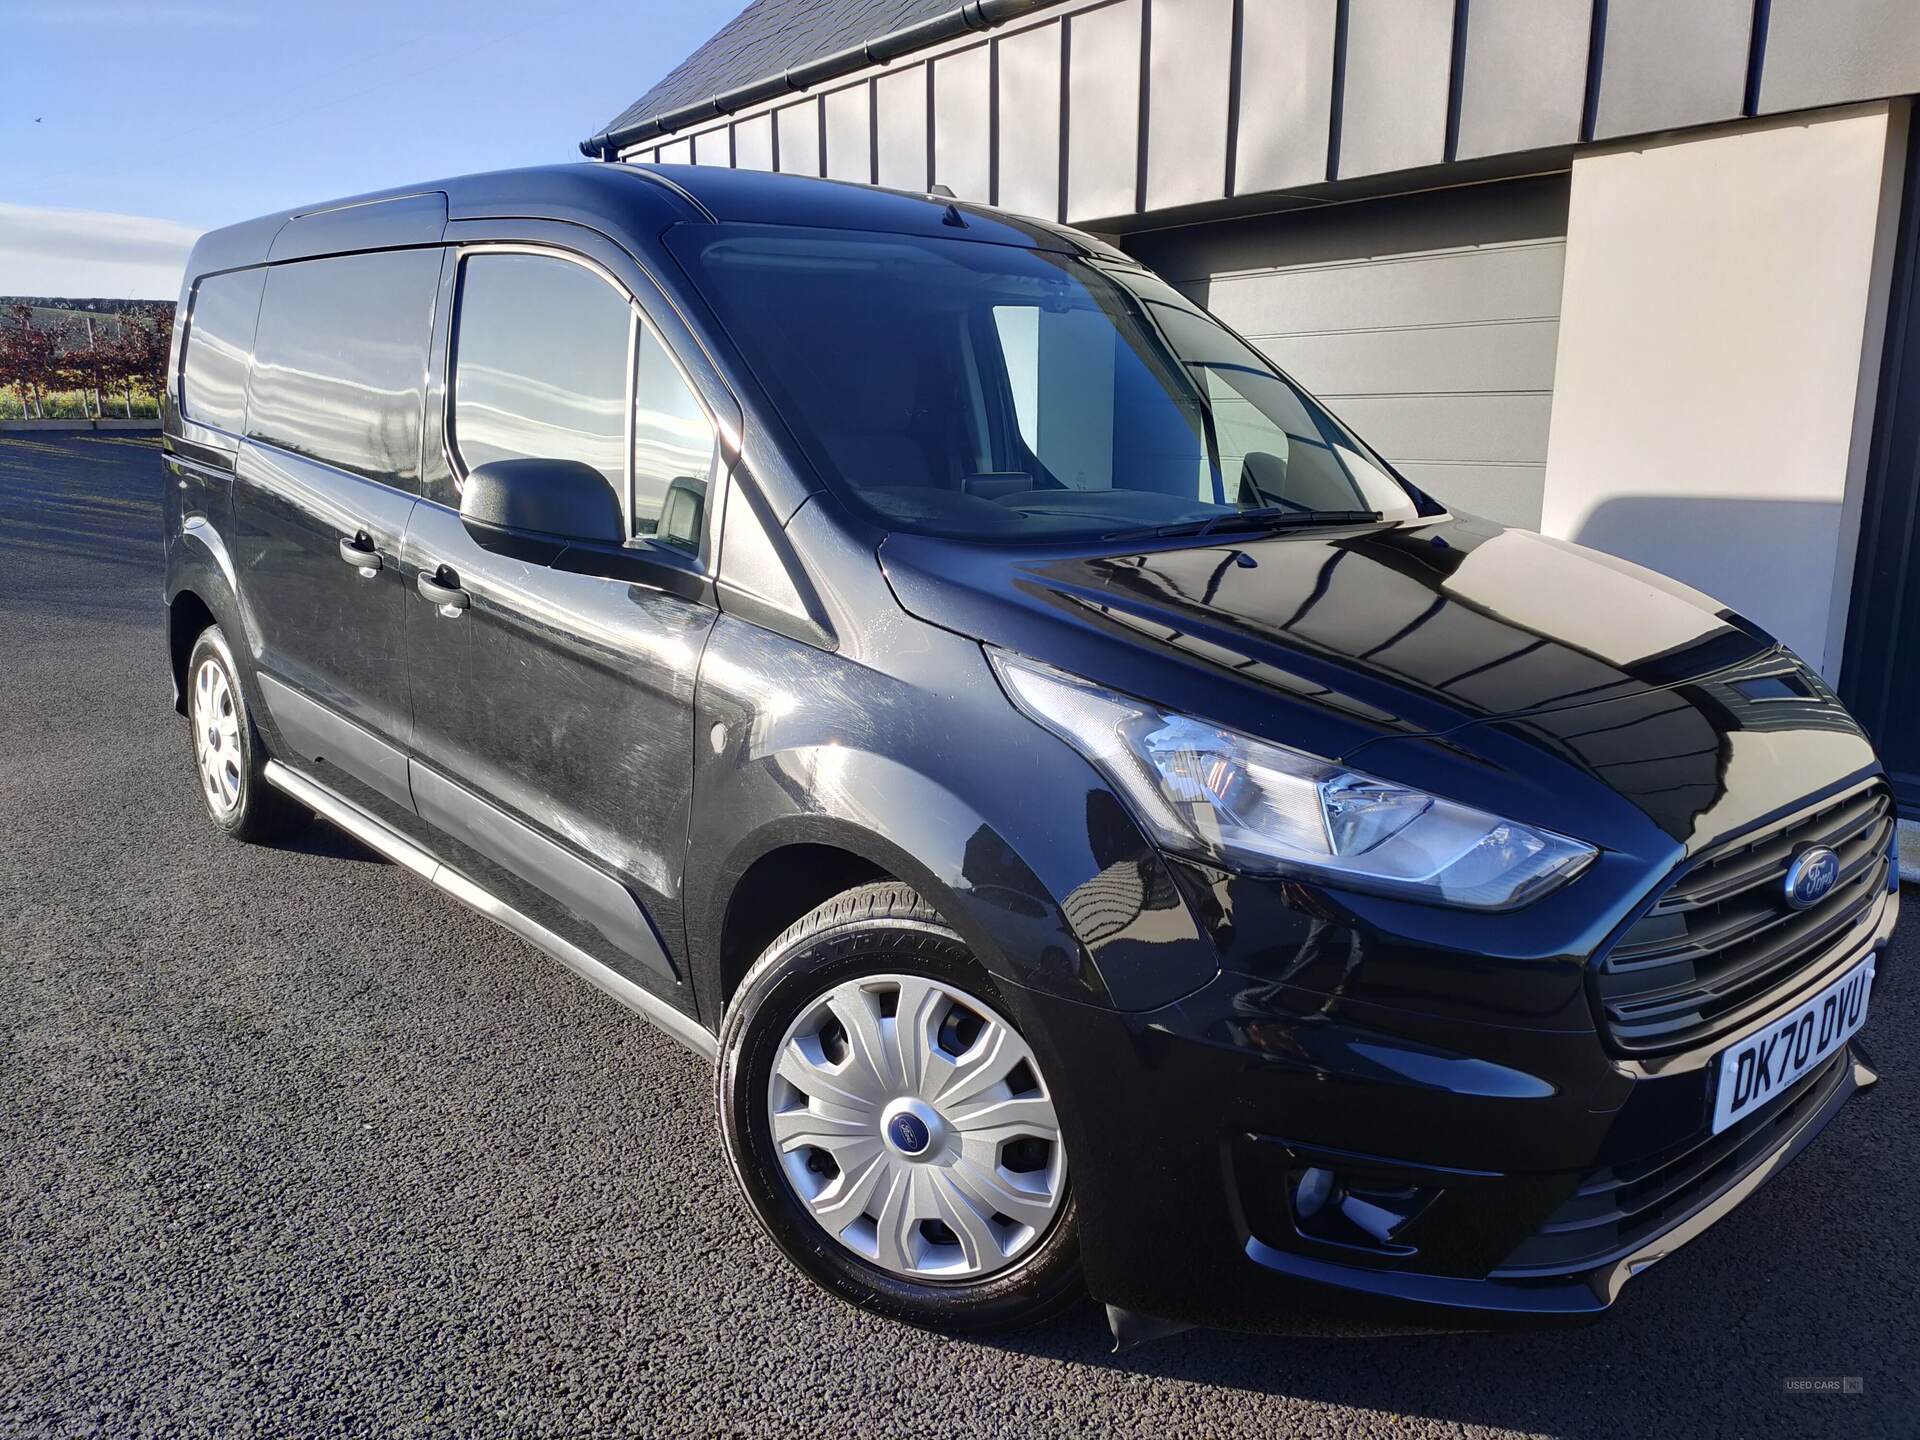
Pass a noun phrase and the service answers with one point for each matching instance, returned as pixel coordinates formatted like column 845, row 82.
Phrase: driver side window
column 552, row 362
column 540, row 364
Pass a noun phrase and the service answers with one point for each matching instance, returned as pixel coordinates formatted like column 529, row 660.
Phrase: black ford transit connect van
column 1112, row 834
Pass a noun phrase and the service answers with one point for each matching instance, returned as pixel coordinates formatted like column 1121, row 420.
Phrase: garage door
column 1427, row 322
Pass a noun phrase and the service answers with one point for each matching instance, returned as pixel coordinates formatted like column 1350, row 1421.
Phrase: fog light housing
column 1354, row 1210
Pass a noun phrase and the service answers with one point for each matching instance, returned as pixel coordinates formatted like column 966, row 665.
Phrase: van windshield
column 997, row 393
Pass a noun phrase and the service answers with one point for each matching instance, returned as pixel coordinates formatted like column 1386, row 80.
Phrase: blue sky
column 129, row 126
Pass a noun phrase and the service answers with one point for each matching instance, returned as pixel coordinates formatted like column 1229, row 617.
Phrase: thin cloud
column 89, row 253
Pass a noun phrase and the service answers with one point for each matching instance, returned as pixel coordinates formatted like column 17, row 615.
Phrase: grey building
column 1636, row 273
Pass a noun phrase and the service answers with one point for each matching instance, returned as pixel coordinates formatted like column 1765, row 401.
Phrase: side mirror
column 561, row 499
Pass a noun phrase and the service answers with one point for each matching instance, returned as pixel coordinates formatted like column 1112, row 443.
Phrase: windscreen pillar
column 1719, row 354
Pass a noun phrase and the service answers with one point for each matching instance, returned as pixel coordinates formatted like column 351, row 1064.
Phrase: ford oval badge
column 1811, row 877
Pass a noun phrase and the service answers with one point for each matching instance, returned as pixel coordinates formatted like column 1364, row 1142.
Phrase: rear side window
column 340, row 361
column 540, row 364
column 213, row 380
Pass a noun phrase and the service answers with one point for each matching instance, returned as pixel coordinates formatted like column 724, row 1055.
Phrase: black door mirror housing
column 560, row 499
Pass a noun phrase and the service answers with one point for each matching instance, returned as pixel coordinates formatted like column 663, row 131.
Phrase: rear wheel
column 228, row 756
column 890, row 1125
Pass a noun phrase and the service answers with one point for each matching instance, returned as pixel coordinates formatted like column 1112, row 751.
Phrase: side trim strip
column 402, row 851
column 324, row 736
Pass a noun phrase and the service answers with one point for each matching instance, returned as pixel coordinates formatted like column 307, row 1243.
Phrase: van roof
column 633, row 203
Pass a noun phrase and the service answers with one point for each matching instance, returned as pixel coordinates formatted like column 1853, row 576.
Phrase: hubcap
column 914, row 1125
column 216, row 737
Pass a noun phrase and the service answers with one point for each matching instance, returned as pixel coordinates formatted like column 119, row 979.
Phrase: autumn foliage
column 44, row 353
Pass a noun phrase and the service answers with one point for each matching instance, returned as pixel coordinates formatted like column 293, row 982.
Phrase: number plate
column 1767, row 1061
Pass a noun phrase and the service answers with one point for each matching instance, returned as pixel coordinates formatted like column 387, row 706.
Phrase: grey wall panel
column 1668, row 63
column 962, row 130
column 1103, row 111
column 1399, row 64
column 1286, row 94
column 1189, row 69
column 1448, row 288
column 799, row 127
column 1525, row 78
column 1503, row 355
column 1826, row 52
column 753, row 143
column 900, row 125
column 713, row 147
column 849, row 132
column 1429, row 322
column 677, row 152
column 1029, row 128
column 1504, row 429
column 1510, row 494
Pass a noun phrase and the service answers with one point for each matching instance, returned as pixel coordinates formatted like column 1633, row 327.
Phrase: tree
column 141, row 350
column 76, row 362
column 29, row 359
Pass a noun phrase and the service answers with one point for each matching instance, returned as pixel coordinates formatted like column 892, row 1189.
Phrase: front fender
column 928, row 773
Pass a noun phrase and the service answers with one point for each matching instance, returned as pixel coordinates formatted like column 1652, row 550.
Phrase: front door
column 1880, row 677
column 553, row 710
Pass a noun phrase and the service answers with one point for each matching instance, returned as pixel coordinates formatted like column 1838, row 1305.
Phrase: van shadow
column 328, row 841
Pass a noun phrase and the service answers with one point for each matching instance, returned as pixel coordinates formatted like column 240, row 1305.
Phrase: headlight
column 1250, row 805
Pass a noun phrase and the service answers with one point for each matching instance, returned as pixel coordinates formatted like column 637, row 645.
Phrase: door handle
column 447, row 597
column 359, row 551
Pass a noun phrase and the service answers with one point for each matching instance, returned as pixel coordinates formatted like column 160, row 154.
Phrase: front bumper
column 1526, row 1174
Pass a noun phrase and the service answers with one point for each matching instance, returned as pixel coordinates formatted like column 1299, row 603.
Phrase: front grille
column 1618, row 1209
column 1722, row 941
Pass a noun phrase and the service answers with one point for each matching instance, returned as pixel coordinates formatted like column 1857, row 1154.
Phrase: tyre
column 227, row 752
column 891, row 1127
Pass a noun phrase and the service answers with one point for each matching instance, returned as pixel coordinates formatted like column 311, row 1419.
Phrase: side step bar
column 377, row 835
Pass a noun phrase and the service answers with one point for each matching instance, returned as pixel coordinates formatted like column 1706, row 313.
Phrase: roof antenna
column 953, row 217
column 945, row 192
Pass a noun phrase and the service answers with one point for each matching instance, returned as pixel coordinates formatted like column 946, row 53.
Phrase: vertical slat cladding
column 993, row 123
column 849, row 121
column 1337, row 98
column 1393, row 108
column 1103, row 136
column 1827, row 52
column 713, row 147
column 1284, row 117
column 1521, row 76
column 679, row 152
column 1456, row 77
column 799, row 129
column 1190, row 82
column 900, row 127
column 1144, row 79
column 1028, row 121
column 1236, row 44
column 1596, row 58
column 753, row 143
column 1756, row 55
column 962, row 129
column 1668, row 65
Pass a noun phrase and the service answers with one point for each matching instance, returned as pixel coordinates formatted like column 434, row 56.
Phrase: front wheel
column 890, row 1125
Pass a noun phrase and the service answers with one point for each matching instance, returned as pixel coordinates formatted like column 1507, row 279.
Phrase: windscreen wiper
column 1269, row 517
